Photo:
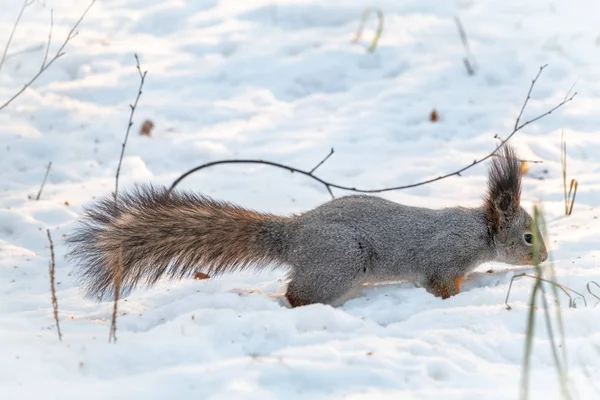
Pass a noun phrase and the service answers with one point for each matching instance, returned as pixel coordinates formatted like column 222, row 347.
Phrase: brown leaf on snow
column 200, row 275
column 146, row 128
column 433, row 117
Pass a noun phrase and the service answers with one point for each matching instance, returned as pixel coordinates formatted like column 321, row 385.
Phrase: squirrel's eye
column 528, row 238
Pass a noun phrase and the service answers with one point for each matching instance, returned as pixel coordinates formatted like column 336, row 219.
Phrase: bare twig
column 322, row 161
column 329, row 185
column 565, row 289
column 132, row 111
column 522, row 160
column 117, row 278
column 463, row 37
column 52, row 268
column 49, row 38
column 571, row 89
column 26, row 4
column 44, row 181
column 529, row 97
column 118, row 267
column 47, row 63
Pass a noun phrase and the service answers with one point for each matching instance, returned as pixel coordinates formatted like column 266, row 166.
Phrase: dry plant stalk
column 465, row 41
column 52, row 268
column 117, row 278
column 44, row 181
column 565, row 290
column 570, row 195
column 118, row 266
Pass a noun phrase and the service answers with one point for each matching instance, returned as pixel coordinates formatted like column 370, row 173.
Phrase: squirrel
column 329, row 251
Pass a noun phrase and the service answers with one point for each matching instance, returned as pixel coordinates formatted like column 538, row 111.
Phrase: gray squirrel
column 329, row 251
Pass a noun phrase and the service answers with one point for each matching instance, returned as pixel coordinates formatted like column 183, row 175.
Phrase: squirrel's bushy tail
column 145, row 236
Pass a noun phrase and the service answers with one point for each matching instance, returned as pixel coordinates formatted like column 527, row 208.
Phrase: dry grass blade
column 571, row 195
column 574, row 184
column 361, row 27
column 538, row 289
column 589, row 289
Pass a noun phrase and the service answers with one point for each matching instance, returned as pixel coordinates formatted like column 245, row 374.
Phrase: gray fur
column 330, row 251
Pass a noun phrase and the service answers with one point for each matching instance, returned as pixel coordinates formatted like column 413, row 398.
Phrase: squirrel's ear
column 504, row 187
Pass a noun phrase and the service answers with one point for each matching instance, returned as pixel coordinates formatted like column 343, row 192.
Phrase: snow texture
column 280, row 80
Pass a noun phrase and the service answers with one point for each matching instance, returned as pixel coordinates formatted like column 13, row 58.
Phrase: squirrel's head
column 517, row 240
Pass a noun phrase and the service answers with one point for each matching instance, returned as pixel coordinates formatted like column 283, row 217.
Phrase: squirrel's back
column 406, row 240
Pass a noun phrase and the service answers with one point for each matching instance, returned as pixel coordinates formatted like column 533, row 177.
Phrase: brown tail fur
column 171, row 237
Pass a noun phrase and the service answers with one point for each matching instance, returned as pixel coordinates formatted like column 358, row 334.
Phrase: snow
column 281, row 81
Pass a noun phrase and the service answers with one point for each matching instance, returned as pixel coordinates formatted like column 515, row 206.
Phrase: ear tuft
column 504, row 187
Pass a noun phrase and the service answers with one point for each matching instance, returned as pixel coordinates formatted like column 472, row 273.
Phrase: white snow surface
column 280, row 80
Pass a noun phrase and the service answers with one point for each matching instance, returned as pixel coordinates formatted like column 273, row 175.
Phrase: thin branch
column 322, row 161
column 44, row 181
column 572, row 87
column 529, row 96
column 49, row 37
column 52, row 268
column 522, row 160
column 59, row 53
column 26, row 4
column 329, row 185
column 132, row 109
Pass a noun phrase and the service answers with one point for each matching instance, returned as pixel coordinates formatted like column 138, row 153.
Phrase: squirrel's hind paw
column 444, row 288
